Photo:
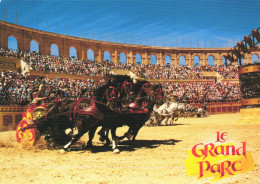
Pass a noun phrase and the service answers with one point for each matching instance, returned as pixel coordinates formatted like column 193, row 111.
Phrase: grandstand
column 23, row 71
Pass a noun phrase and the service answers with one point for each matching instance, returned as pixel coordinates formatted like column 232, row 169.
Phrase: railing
column 222, row 108
column 10, row 116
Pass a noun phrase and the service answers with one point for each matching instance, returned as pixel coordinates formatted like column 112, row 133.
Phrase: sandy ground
column 157, row 156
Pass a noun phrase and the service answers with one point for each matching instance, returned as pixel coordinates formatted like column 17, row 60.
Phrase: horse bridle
column 148, row 89
column 112, row 95
column 127, row 88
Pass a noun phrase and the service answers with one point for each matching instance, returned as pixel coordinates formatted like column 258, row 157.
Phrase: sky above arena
column 174, row 23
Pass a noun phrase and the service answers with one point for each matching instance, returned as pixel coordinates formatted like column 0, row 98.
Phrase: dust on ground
column 157, row 156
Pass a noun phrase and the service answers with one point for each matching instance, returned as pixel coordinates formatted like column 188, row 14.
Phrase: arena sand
column 157, row 157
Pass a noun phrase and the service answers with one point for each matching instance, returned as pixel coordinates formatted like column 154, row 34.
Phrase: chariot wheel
column 38, row 114
column 27, row 137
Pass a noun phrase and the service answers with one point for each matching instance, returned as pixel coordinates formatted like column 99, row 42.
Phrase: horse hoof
column 107, row 144
column 102, row 139
column 62, row 151
column 116, row 151
column 89, row 145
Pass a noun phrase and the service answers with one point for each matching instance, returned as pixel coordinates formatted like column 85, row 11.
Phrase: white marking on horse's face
column 68, row 131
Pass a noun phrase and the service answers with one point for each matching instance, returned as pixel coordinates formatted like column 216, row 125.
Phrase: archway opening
column 107, row 56
column 90, row 55
column 182, row 61
column 167, row 60
column 242, row 61
column 224, row 60
column 12, row 43
column 138, row 59
column 54, row 50
column 211, row 61
column 123, row 58
column 255, row 58
column 196, row 61
column 153, row 60
column 73, row 53
column 34, row 46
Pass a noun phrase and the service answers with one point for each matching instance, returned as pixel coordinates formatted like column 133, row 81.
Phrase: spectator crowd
column 19, row 88
column 199, row 92
column 59, row 64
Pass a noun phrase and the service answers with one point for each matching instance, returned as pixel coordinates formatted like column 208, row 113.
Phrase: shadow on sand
column 129, row 145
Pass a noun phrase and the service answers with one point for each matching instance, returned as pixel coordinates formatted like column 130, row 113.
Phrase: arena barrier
column 10, row 116
column 249, row 77
column 222, row 108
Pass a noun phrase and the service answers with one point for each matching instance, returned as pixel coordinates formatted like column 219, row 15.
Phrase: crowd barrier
column 10, row 116
column 222, row 108
column 34, row 74
column 7, row 63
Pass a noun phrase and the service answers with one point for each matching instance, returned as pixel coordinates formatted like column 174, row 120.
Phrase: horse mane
column 99, row 92
column 137, row 86
column 113, row 80
column 119, row 78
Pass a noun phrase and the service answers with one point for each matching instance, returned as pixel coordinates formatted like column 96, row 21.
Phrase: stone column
column 248, row 59
column 173, row 59
column 160, row 59
column 218, row 59
column 191, row 59
column 26, row 45
column 3, row 38
column 114, row 57
column 20, row 42
column 100, row 56
column 46, row 46
column 177, row 59
column 203, row 61
column 145, row 59
column 79, row 53
column 129, row 56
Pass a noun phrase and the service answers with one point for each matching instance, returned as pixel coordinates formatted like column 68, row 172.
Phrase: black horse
column 70, row 119
column 134, row 116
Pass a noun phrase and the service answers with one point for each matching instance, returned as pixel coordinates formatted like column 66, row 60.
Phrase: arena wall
column 222, row 108
column 25, row 35
column 7, row 63
column 10, row 116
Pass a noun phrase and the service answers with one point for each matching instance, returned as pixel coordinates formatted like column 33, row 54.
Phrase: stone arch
column 153, row 59
column 12, row 43
column 196, row 60
column 211, row 60
column 167, row 60
column 107, row 56
column 138, row 59
column 34, row 46
column 123, row 58
column 54, row 50
column 255, row 58
column 182, row 60
column 73, row 52
column 90, row 55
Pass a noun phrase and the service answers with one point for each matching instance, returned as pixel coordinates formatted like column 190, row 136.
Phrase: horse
column 69, row 119
column 134, row 116
column 168, row 112
column 102, row 109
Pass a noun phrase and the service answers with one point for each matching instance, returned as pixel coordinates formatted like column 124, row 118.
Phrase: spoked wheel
column 27, row 137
